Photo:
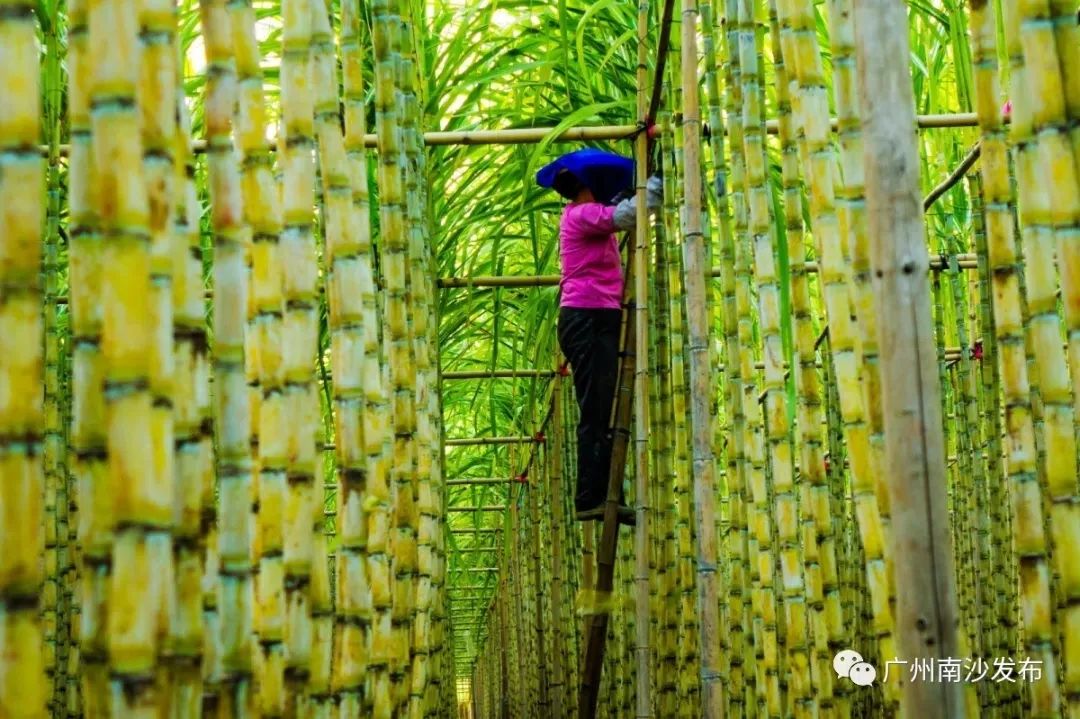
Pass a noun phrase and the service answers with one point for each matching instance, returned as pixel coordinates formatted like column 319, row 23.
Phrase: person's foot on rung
column 626, row 515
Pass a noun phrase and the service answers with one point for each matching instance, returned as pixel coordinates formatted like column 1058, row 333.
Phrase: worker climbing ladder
column 631, row 401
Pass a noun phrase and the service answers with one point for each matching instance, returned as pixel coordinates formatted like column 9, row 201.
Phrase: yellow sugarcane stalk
column 22, row 413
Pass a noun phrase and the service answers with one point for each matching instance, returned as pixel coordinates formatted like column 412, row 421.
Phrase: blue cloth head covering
column 604, row 173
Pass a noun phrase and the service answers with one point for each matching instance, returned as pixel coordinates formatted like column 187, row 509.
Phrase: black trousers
column 590, row 340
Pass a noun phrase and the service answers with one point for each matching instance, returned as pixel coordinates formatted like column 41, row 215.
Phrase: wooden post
column 700, row 376
column 927, row 615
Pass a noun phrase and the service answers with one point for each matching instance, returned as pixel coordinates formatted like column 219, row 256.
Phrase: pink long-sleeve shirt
column 589, row 255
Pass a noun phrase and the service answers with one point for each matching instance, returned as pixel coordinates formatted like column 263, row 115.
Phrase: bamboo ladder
column 623, row 404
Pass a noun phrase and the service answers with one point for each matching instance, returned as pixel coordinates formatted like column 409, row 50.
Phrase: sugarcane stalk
column 818, row 160
column 55, row 607
column 194, row 507
column 262, row 213
column 232, row 418
column 160, row 51
column 1029, row 536
column 1049, row 213
column 23, row 682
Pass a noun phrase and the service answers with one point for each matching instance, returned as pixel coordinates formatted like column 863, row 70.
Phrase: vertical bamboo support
column 926, row 607
column 23, row 687
column 642, row 682
column 700, row 385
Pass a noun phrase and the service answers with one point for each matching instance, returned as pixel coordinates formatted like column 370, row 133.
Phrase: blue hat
column 604, row 173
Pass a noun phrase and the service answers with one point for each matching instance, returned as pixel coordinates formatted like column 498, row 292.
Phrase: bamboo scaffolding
column 966, row 261
column 533, row 135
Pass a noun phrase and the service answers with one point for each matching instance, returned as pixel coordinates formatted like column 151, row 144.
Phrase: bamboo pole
column 497, row 374
column 643, row 684
column 966, row 261
column 926, row 610
column 533, row 135
column 492, row 508
column 482, row 441
column 700, row 374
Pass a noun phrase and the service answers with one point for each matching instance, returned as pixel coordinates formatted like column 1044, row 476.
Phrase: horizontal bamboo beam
column 478, row 441
column 509, row 136
column 474, row 569
column 497, row 374
column 475, row 530
column 467, row 441
column 521, row 136
column 499, row 281
column 533, row 135
column 491, row 508
column 966, row 261
column 924, row 122
column 479, row 480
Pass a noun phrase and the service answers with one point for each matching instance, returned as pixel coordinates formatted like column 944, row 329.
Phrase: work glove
column 625, row 215
column 654, row 193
